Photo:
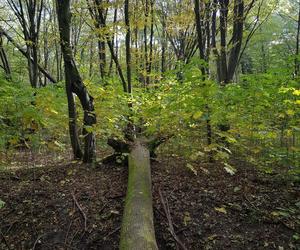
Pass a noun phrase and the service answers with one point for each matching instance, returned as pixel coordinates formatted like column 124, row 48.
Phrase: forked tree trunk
column 74, row 84
column 137, row 226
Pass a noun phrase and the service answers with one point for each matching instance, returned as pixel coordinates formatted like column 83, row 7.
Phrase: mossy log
column 137, row 230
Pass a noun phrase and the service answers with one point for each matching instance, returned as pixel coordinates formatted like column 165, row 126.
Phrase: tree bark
column 4, row 60
column 101, row 38
column 113, row 41
column 201, row 46
column 297, row 67
column 227, row 65
column 137, row 225
column 128, row 47
column 74, row 84
column 223, row 40
column 237, row 38
column 73, row 128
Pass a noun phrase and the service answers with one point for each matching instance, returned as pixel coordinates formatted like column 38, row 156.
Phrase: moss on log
column 137, row 230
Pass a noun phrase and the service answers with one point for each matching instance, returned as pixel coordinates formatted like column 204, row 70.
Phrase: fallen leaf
column 191, row 167
column 229, row 169
column 221, row 210
column 2, row 204
column 186, row 218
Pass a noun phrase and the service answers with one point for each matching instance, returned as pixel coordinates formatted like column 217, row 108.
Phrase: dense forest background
column 204, row 81
column 171, row 96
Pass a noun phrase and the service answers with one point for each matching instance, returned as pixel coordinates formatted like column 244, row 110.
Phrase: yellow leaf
column 187, row 218
column 191, row 167
column 221, row 210
column 212, row 237
column 290, row 112
column 53, row 111
column 297, row 102
column 289, row 132
column 14, row 141
column 296, row 92
column 197, row 115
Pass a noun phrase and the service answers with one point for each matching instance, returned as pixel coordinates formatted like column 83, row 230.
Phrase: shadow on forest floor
column 47, row 207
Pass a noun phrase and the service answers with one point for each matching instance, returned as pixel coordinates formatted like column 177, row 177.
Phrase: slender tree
column 24, row 53
column 228, row 55
column 97, row 11
column 201, row 45
column 3, row 59
column 110, row 43
column 29, row 14
column 74, row 84
column 297, row 65
column 128, row 46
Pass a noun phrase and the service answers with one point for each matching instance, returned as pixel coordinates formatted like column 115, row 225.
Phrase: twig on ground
column 162, row 214
column 181, row 230
column 81, row 211
column 10, row 227
column 116, row 196
column 112, row 232
column 37, row 241
column 66, row 238
column 4, row 240
column 254, row 207
column 103, row 207
column 168, row 215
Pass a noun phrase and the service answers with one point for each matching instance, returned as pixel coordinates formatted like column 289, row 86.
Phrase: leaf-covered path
column 48, row 207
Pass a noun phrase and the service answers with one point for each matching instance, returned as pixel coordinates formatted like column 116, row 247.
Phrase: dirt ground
column 72, row 206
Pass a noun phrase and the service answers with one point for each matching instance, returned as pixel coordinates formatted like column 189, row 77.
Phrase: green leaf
column 197, row 115
column 229, row 169
column 2, row 203
column 191, row 167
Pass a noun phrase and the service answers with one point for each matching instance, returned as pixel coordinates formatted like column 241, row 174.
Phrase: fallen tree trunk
column 137, row 230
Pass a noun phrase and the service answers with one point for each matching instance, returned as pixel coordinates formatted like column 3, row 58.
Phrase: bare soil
column 72, row 206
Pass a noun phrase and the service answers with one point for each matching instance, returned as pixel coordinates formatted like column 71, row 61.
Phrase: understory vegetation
column 262, row 109
column 203, row 93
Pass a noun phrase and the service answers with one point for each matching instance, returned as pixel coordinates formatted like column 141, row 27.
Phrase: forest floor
column 71, row 206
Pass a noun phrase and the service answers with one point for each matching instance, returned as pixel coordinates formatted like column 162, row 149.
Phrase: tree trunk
column 223, row 40
column 297, row 45
column 149, row 10
column 201, row 45
column 237, row 38
column 113, row 41
column 202, row 50
column 73, row 128
column 46, row 45
column 137, row 226
column 227, row 62
column 163, row 50
column 4, row 60
column 149, row 68
column 127, row 45
column 74, row 83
